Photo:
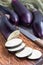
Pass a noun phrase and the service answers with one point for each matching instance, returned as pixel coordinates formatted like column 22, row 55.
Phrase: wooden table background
column 7, row 58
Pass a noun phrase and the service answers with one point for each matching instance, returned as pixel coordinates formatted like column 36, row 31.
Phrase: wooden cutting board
column 7, row 58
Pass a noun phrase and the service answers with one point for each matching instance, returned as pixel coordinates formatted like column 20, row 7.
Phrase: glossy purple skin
column 13, row 16
column 15, row 19
column 38, row 24
column 6, row 28
column 24, row 14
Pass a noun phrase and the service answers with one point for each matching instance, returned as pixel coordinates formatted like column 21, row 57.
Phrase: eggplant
column 38, row 24
column 8, row 24
column 6, row 27
column 13, row 16
column 24, row 14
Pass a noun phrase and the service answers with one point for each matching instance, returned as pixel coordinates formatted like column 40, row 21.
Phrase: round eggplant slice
column 22, row 46
column 24, row 53
column 35, row 55
column 13, row 43
column 14, row 34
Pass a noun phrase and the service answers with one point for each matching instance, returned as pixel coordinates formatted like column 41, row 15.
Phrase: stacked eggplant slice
column 20, row 50
column 16, row 45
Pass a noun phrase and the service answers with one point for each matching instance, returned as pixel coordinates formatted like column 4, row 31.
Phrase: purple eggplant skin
column 24, row 14
column 6, row 27
column 7, row 23
column 13, row 16
column 38, row 24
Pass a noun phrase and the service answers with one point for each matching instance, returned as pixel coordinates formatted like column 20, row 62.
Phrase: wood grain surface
column 7, row 58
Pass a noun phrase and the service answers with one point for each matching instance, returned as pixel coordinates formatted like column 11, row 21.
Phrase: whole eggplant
column 24, row 14
column 6, row 27
column 38, row 24
column 13, row 16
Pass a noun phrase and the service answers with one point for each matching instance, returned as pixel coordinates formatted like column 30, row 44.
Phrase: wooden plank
column 7, row 58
